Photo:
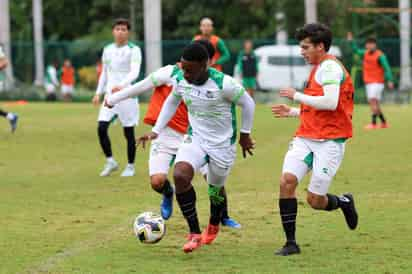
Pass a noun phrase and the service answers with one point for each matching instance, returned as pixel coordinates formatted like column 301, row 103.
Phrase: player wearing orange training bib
column 325, row 113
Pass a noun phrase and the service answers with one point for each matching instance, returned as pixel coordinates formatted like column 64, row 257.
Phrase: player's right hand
column 96, row 100
column 349, row 36
column 146, row 138
column 280, row 110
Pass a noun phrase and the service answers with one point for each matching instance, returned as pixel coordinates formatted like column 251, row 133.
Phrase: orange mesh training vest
column 327, row 124
column 180, row 120
column 372, row 70
column 213, row 40
column 67, row 75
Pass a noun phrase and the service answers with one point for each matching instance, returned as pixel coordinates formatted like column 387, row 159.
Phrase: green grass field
column 59, row 216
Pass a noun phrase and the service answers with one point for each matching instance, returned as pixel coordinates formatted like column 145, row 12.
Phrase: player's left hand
column 116, row 89
column 247, row 144
column 146, row 138
column 287, row 92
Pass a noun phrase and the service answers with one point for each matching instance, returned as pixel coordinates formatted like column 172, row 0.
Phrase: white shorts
column 50, row 88
column 67, row 89
column 218, row 160
column 323, row 157
column 127, row 111
column 374, row 91
column 163, row 151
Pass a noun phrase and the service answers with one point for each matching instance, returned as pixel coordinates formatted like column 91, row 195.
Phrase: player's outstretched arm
column 329, row 100
column 160, row 77
column 235, row 93
column 282, row 111
column 129, row 92
column 248, row 111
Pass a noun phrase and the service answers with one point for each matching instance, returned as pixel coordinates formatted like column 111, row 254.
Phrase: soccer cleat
column 13, row 122
column 371, row 126
column 231, row 223
column 166, row 207
column 289, row 248
column 128, row 171
column 210, row 234
column 384, row 125
column 347, row 204
column 194, row 242
column 109, row 167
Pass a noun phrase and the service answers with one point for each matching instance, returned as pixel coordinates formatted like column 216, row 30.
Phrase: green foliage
column 88, row 77
column 92, row 20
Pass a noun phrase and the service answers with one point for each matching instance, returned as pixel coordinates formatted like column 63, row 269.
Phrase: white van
column 283, row 66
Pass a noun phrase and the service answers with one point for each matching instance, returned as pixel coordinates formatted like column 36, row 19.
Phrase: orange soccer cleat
column 210, row 234
column 384, row 125
column 371, row 126
column 194, row 242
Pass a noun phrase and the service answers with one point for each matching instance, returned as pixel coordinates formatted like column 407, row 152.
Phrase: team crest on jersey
column 209, row 94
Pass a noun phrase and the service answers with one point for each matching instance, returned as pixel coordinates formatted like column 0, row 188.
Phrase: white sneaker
column 109, row 168
column 128, row 171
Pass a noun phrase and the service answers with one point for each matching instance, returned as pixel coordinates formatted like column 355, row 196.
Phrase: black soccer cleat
column 347, row 204
column 289, row 248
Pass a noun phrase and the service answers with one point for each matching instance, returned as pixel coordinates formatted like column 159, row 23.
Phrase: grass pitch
column 59, row 216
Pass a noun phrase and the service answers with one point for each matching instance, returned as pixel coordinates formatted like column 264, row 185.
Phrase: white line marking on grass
column 99, row 239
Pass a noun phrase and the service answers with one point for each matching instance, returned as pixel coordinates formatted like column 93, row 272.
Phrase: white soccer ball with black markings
column 149, row 227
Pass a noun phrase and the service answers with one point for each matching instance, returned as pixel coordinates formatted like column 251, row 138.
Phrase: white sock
column 10, row 116
column 111, row 159
column 130, row 165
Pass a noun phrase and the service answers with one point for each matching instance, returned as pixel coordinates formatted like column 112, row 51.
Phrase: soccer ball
column 149, row 227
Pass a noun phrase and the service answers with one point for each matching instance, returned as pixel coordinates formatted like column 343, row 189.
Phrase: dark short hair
column 121, row 21
column 208, row 46
column 195, row 52
column 317, row 33
column 371, row 40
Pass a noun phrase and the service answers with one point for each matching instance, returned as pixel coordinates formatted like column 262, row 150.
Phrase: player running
column 121, row 66
column 325, row 114
column 163, row 150
column 211, row 98
column 375, row 70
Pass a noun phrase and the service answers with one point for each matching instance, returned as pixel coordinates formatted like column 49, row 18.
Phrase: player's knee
column 316, row 201
column 157, row 182
column 183, row 175
column 288, row 183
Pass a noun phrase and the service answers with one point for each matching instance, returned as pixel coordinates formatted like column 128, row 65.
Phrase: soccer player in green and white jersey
column 211, row 98
column 121, row 66
column 51, row 82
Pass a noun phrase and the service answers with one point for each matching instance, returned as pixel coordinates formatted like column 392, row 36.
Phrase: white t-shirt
column 211, row 106
column 121, row 66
